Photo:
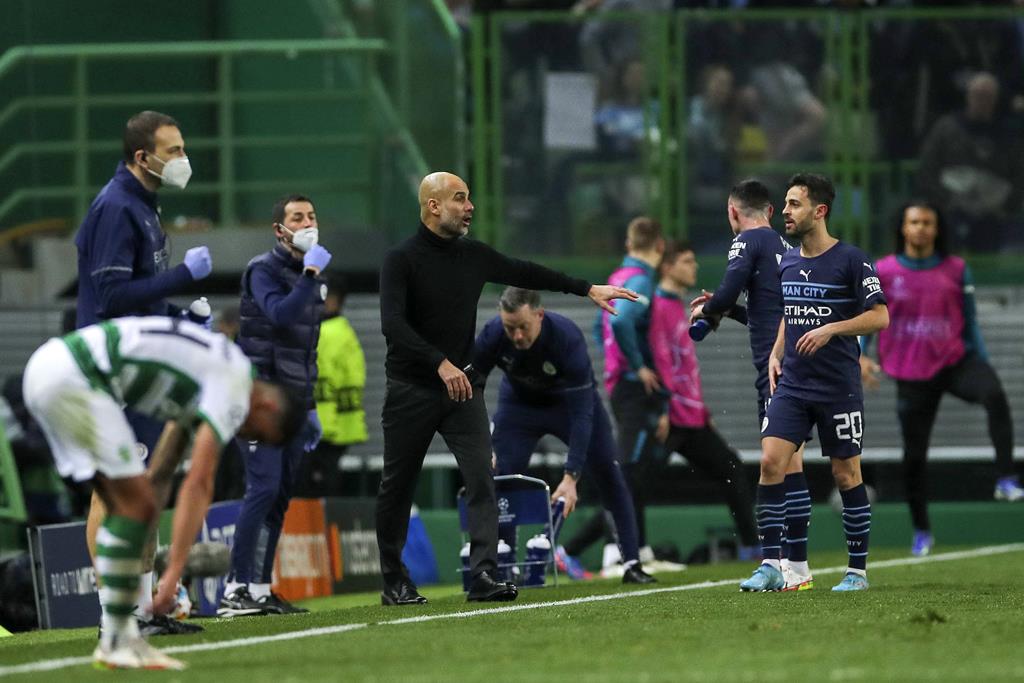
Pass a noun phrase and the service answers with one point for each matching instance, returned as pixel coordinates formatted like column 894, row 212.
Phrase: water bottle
column 538, row 550
column 557, row 517
column 199, row 312
column 464, row 556
column 505, row 561
column 699, row 329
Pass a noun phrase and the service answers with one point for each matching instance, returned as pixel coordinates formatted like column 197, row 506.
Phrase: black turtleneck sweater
column 429, row 290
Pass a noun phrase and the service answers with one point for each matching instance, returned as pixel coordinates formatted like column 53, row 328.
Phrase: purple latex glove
column 313, row 431
column 198, row 262
column 316, row 258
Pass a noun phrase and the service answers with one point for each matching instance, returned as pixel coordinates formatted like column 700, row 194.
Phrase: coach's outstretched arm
column 603, row 294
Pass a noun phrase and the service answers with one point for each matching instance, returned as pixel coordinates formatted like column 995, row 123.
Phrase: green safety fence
column 12, row 503
column 546, row 184
column 260, row 117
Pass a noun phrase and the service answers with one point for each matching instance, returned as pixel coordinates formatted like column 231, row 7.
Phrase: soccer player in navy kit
column 754, row 257
column 831, row 294
column 549, row 388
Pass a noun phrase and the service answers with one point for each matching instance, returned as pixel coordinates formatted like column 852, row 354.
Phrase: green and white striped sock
column 119, row 563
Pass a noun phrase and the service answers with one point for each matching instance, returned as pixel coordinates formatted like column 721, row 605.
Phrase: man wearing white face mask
column 124, row 270
column 282, row 305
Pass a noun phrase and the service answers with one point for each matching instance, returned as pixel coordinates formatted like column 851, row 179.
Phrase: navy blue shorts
column 840, row 423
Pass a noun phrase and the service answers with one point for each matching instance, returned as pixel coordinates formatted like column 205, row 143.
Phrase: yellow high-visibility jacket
column 340, row 384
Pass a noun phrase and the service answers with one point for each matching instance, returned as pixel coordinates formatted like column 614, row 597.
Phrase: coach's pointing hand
column 602, row 294
column 459, row 388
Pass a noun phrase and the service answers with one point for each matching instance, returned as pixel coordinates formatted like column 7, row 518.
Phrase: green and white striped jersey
column 167, row 368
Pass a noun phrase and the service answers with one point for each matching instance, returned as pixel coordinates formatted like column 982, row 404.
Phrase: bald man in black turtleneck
column 429, row 288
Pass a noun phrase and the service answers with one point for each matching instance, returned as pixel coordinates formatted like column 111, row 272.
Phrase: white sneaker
column 134, row 653
column 796, row 581
column 1009, row 489
column 646, row 554
column 657, row 566
column 611, row 556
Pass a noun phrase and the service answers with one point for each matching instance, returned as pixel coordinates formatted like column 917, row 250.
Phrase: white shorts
column 85, row 427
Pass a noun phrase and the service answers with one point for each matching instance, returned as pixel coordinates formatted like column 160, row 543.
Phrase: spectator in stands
column 606, row 44
column 792, row 117
column 627, row 114
column 932, row 347
column 711, row 132
column 341, row 379
column 124, row 269
column 281, row 308
column 972, row 167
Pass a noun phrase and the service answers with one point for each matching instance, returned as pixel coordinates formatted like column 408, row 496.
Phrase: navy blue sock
column 798, row 515
column 771, row 519
column 857, row 525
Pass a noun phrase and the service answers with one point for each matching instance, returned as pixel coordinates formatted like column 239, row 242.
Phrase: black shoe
column 165, row 626
column 239, row 604
column 402, row 593
column 486, row 589
column 275, row 604
column 635, row 573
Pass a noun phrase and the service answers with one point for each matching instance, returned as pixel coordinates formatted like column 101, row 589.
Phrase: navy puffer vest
column 283, row 353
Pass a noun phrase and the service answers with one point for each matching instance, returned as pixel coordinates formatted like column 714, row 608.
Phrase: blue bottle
column 699, row 329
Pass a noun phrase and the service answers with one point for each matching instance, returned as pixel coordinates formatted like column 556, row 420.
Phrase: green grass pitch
column 950, row 618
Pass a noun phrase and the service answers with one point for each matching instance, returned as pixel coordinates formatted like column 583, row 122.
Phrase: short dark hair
column 643, row 233
column 820, row 189
column 514, row 298
column 673, row 249
column 140, row 132
column 278, row 211
column 941, row 247
column 751, row 195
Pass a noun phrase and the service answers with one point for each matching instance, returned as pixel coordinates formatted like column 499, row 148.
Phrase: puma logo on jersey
column 868, row 266
column 806, row 274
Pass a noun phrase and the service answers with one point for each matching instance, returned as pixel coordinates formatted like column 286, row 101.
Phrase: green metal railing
column 868, row 186
column 224, row 97
column 12, row 502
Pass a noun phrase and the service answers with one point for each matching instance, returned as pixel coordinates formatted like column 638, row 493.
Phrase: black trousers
column 636, row 418
column 412, row 415
column 636, row 415
column 972, row 380
column 706, row 450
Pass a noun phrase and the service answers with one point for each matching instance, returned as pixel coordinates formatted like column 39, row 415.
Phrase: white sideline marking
column 53, row 664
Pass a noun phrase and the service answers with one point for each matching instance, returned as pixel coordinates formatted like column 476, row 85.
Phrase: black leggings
column 972, row 380
column 644, row 460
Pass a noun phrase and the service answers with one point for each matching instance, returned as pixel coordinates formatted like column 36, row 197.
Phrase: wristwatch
column 575, row 474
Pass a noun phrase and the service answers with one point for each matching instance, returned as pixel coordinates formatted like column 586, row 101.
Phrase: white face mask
column 176, row 173
column 304, row 239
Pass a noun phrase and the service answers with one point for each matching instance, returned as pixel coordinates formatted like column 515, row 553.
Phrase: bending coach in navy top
column 831, row 295
column 549, row 388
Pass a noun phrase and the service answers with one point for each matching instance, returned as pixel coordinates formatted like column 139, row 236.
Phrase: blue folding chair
column 521, row 500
